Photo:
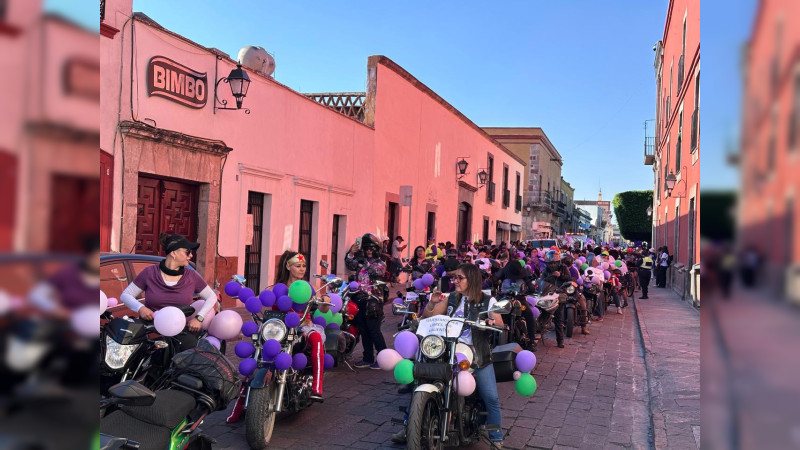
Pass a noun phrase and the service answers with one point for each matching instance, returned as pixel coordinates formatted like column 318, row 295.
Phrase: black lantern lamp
column 670, row 183
column 461, row 167
column 483, row 177
column 239, row 82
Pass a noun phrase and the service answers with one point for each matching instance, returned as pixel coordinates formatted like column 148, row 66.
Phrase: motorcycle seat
column 170, row 408
column 147, row 435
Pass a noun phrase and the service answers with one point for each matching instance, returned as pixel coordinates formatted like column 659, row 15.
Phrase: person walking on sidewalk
column 645, row 269
column 663, row 264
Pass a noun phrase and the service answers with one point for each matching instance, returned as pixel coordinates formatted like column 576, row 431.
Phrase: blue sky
column 582, row 70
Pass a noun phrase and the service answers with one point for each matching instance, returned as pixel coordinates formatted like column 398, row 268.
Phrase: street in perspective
column 372, row 225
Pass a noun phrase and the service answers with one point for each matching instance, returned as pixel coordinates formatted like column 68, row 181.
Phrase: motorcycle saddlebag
column 503, row 357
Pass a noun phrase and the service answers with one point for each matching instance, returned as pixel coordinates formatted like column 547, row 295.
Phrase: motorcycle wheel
column 423, row 423
column 570, row 322
column 630, row 290
column 260, row 417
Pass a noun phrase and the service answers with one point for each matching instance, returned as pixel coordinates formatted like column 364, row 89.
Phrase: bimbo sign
column 173, row 81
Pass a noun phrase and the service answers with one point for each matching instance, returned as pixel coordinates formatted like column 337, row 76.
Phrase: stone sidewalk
column 592, row 394
column 670, row 332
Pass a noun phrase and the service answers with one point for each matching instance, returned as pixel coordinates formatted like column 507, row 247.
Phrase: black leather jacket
column 481, row 339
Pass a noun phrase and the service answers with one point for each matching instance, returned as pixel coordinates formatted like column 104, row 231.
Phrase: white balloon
column 103, row 302
column 86, row 321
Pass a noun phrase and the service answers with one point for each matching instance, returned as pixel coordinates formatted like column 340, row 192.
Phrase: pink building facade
column 677, row 141
column 291, row 174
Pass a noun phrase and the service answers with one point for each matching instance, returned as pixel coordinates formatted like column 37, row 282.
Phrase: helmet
column 630, row 250
column 550, row 256
column 370, row 241
column 567, row 259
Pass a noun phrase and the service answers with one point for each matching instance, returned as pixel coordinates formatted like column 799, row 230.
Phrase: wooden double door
column 164, row 206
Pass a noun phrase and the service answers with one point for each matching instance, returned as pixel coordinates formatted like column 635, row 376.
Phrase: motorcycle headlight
column 273, row 329
column 117, row 354
column 432, row 346
column 570, row 290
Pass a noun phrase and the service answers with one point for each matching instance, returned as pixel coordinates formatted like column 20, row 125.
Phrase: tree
column 631, row 210
column 717, row 217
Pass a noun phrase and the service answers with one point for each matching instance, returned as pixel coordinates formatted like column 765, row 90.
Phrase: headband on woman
column 295, row 259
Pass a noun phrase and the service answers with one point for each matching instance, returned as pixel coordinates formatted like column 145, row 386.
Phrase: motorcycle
column 340, row 342
column 547, row 305
column 572, row 316
column 201, row 381
column 270, row 390
column 413, row 302
column 127, row 349
column 438, row 416
column 517, row 325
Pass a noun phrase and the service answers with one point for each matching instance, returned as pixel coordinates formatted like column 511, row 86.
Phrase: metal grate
column 306, row 215
column 252, row 252
column 348, row 103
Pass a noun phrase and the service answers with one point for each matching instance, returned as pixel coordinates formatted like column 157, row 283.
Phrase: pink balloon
column 112, row 302
column 86, row 321
column 226, row 325
column 465, row 383
column 388, row 358
column 169, row 321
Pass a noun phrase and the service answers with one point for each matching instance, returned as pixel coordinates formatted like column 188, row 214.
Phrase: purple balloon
column 406, row 343
column 292, row 320
column 333, row 325
column 319, row 320
column 525, row 361
column 336, row 303
column 418, row 284
column 249, row 328
column 313, row 291
column 253, row 305
column 271, row 348
column 280, row 290
column 232, row 288
column 535, row 311
column 283, row 361
column 299, row 361
column 439, row 271
column 246, row 293
column 397, row 300
column 244, row 349
column 284, row 303
column 213, row 341
column 247, row 366
column 267, row 298
column 353, row 285
column 607, row 274
column 427, row 279
column 329, row 361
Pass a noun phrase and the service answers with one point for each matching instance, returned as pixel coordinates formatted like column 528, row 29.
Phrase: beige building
column 541, row 198
column 568, row 222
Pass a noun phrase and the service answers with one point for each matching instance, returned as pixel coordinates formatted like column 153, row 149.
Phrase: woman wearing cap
column 168, row 283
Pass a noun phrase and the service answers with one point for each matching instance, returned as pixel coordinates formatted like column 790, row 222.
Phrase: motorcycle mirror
column 501, row 307
column 132, row 393
column 324, row 263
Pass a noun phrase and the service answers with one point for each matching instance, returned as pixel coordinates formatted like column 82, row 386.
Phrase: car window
column 139, row 266
column 113, row 279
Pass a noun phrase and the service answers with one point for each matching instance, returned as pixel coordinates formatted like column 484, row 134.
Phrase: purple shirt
column 72, row 290
column 158, row 295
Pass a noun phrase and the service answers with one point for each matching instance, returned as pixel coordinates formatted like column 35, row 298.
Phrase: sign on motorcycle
column 436, row 326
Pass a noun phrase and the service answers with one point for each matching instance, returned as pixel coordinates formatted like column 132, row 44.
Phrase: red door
column 8, row 193
column 106, row 188
column 164, row 206
column 68, row 229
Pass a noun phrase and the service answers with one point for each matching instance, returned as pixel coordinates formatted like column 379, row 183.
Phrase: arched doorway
column 464, row 222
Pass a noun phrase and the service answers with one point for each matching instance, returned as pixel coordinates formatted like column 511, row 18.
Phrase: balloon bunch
column 423, row 282
column 524, row 383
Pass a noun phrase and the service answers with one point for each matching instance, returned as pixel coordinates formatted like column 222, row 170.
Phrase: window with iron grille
column 252, row 252
column 490, row 189
column 518, row 204
column 506, row 193
column 306, row 224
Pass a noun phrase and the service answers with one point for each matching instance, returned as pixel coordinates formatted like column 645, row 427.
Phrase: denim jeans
column 487, row 389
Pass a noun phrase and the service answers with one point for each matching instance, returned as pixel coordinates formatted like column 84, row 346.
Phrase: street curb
column 658, row 434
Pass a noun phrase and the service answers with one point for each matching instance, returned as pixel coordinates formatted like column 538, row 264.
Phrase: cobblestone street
column 592, row 394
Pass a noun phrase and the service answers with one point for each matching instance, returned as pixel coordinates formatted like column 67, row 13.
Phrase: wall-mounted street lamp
column 483, row 178
column 461, row 167
column 669, row 183
column 239, row 82
column 649, row 211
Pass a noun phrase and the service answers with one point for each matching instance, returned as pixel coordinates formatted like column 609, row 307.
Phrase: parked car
column 117, row 270
column 543, row 243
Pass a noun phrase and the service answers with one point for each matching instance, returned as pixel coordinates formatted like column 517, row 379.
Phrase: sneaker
column 599, row 319
column 362, row 364
column 619, row 310
column 375, row 366
column 399, row 437
column 644, row 298
column 584, row 331
column 317, row 398
column 560, row 345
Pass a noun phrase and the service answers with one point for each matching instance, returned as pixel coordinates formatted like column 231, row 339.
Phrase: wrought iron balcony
column 506, row 198
column 649, row 151
column 518, row 203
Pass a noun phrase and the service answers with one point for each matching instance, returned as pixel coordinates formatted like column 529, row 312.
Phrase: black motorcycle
column 517, row 326
column 572, row 315
column 131, row 349
column 438, row 416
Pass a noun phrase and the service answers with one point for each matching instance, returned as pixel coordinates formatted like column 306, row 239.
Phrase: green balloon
column 584, row 266
column 618, row 263
column 337, row 319
column 300, row 291
column 328, row 316
column 526, row 385
column 404, row 371
column 522, row 262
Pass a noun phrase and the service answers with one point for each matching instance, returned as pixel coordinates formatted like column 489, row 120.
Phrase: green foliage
column 630, row 208
column 717, row 220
